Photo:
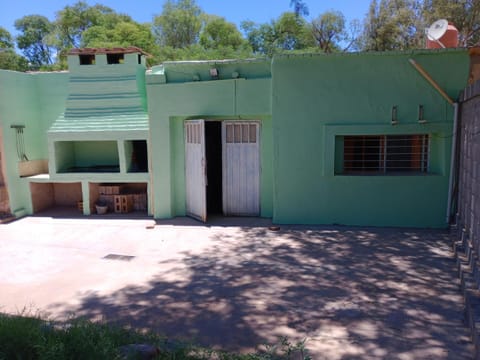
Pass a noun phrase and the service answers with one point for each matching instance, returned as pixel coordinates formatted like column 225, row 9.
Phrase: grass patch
column 31, row 338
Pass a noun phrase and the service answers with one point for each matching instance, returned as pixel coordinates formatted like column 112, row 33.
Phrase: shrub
column 32, row 338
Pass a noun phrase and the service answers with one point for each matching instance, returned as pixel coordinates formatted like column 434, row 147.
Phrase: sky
column 259, row 11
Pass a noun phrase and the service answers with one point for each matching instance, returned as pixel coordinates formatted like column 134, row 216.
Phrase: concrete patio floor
column 353, row 293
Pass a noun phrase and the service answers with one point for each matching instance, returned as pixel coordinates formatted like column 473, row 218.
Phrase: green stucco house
column 355, row 139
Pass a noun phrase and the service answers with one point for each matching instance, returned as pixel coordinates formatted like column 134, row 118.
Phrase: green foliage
column 9, row 60
column 6, row 39
column 329, row 30
column 179, row 24
column 287, row 33
column 31, row 338
column 73, row 20
column 34, row 39
column 19, row 337
column 217, row 39
column 260, row 36
column 292, row 33
column 197, row 52
column 60, row 65
column 122, row 34
column 333, row 33
column 82, row 25
column 391, row 25
column 219, row 33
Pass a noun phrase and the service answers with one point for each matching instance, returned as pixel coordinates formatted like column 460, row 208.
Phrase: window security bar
column 386, row 153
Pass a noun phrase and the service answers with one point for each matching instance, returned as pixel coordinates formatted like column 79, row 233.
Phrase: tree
column 220, row 33
column 464, row 14
column 81, row 25
column 392, row 25
column 299, row 8
column 179, row 24
column 261, row 37
column 400, row 24
column 123, row 34
column 73, row 20
column 292, row 32
column 287, row 33
column 6, row 39
column 332, row 33
column 9, row 60
column 329, row 30
column 34, row 39
column 221, row 39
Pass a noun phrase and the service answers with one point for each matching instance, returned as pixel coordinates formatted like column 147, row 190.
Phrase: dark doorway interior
column 141, row 156
column 213, row 150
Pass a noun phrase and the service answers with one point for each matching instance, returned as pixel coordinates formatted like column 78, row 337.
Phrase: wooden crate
column 123, row 203
column 140, row 202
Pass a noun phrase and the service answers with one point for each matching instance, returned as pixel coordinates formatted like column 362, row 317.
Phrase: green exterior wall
column 316, row 98
column 305, row 104
column 34, row 100
column 51, row 96
column 169, row 104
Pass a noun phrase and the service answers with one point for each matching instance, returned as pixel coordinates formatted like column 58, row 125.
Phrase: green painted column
column 86, row 197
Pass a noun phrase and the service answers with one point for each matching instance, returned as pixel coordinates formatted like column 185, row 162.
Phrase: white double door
column 240, row 168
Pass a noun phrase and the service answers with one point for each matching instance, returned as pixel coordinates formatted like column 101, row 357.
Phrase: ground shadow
column 353, row 292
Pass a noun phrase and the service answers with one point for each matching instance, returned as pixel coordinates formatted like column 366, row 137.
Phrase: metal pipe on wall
column 452, row 161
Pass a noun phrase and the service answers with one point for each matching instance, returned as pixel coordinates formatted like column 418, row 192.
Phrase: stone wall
column 466, row 244
column 469, row 165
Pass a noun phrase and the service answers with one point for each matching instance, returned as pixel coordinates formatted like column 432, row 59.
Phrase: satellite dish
column 437, row 30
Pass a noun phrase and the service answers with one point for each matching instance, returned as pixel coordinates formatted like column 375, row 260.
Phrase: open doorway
column 213, row 153
column 222, row 168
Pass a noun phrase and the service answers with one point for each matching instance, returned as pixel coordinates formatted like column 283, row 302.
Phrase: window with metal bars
column 381, row 154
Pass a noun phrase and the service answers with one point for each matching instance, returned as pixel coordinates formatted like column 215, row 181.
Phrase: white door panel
column 195, row 169
column 241, row 168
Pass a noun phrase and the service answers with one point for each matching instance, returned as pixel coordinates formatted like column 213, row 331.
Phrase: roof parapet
column 115, row 50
